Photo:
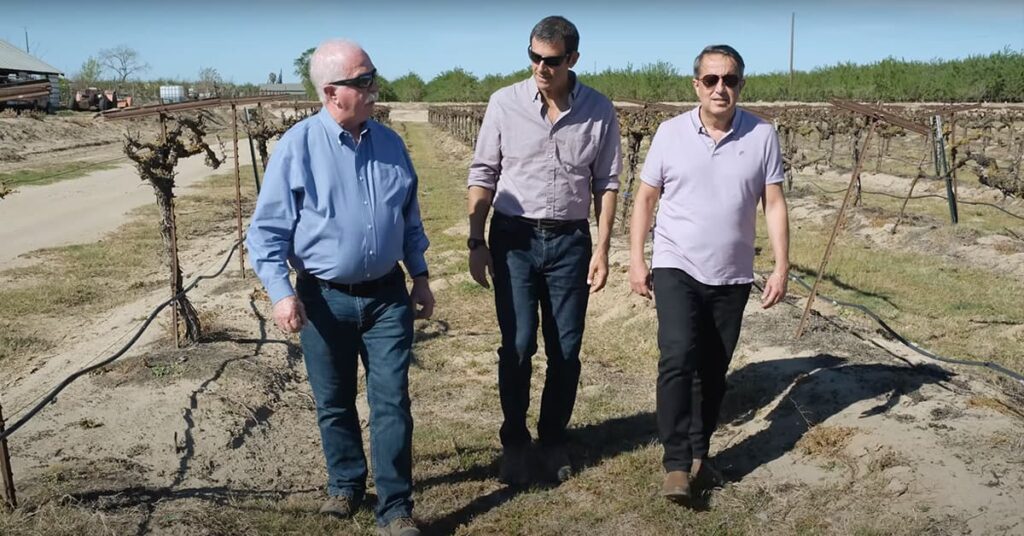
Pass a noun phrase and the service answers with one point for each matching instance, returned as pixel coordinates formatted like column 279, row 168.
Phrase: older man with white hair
column 339, row 205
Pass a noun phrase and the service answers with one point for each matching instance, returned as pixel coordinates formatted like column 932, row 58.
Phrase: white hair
column 331, row 61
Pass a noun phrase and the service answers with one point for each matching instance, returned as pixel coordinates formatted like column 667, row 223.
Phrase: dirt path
column 84, row 209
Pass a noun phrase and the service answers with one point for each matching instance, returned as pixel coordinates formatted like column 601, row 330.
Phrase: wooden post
column 10, row 500
column 835, row 229
column 238, row 194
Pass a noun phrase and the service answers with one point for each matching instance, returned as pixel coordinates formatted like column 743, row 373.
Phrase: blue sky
column 247, row 40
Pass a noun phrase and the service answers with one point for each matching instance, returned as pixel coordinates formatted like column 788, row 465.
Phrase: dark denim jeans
column 545, row 268
column 379, row 330
column 698, row 327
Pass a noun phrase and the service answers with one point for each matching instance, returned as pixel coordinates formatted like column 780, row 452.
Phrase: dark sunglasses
column 362, row 81
column 550, row 61
column 711, row 80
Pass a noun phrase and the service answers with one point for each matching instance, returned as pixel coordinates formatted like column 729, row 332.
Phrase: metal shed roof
column 13, row 58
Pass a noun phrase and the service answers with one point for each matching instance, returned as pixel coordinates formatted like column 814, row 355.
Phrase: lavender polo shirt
column 542, row 170
column 709, row 194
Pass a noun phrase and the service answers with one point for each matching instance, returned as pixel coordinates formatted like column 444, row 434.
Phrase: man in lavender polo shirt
column 709, row 167
column 547, row 146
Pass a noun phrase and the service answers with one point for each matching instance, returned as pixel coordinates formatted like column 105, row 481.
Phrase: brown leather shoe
column 402, row 526
column 515, row 465
column 704, row 476
column 676, row 487
column 339, row 506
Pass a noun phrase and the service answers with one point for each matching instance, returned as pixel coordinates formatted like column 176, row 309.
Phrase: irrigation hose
column 909, row 344
column 67, row 381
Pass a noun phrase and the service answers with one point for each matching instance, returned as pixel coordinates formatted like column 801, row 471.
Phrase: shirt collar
column 574, row 88
column 335, row 130
column 699, row 127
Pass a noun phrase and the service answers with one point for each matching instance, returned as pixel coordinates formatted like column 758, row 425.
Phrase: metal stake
column 238, row 193
column 942, row 168
column 835, row 229
column 10, row 500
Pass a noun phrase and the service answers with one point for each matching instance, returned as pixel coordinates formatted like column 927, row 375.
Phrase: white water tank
column 172, row 93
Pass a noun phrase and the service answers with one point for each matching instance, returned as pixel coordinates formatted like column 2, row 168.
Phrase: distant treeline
column 998, row 77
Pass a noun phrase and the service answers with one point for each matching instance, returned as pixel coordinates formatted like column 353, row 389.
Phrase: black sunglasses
column 550, row 61
column 711, row 80
column 362, row 81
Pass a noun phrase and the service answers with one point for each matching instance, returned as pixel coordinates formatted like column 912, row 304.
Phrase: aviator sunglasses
column 711, row 80
column 362, row 81
column 550, row 61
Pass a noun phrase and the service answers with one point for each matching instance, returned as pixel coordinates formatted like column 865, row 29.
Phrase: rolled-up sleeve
column 416, row 242
column 486, row 166
column 273, row 223
column 608, row 164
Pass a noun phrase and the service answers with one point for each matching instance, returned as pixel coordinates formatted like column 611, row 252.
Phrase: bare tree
column 210, row 82
column 123, row 60
column 89, row 73
column 272, row 78
column 156, row 163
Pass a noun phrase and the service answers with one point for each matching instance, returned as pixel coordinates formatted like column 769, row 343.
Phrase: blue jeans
column 378, row 329
column 546, row 268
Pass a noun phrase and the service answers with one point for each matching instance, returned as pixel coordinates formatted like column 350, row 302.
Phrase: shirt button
column 366, row 202
column 371, row 252
column 369, row 226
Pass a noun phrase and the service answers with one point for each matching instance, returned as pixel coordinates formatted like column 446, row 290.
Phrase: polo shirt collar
column 737, row 120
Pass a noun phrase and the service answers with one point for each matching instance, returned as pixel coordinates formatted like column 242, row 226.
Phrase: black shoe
column 515, row 465
column 556, row 463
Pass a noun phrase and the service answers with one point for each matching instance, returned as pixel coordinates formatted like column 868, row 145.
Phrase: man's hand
column 289, row 314
column 640, row 278
column 774, row 289
column 597, row 276
column 422, row 297
column 481, row 266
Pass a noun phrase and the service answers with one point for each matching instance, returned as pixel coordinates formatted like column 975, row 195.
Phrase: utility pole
column 27, row 51
column 792, row 34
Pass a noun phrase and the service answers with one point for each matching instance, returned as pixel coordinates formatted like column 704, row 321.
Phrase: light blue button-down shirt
column 342, row 211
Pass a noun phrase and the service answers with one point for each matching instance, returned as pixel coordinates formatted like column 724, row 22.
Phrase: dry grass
column 927, row 299
column 826, row 441
column 51, row 173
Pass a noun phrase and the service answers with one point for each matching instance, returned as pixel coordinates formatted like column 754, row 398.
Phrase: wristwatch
column 473, row 243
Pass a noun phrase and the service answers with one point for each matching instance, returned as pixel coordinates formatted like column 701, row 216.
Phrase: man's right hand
column 481, row 266
column 640, row 278
column 289, row 314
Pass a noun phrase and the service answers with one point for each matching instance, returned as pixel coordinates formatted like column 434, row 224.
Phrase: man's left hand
column 774, row 289
column 422, row 298
column 597, row 276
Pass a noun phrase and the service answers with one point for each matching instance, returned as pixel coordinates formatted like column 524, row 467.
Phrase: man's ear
column 573, row 58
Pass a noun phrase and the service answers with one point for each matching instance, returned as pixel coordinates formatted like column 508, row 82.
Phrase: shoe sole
column 677, row 496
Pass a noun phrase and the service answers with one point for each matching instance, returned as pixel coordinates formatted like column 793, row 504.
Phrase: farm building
column 17, row 65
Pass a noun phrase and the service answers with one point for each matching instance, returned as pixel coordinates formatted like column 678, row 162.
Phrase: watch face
column 474, row 243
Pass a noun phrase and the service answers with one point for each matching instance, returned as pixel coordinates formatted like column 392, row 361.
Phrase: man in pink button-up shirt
column 547, row 147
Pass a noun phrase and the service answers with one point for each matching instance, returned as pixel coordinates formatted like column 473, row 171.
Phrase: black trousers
column 698, row 326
